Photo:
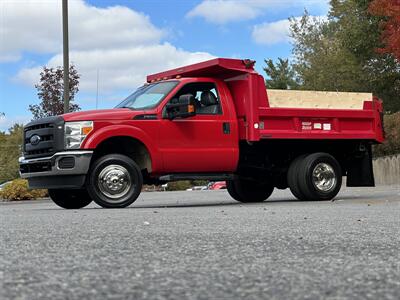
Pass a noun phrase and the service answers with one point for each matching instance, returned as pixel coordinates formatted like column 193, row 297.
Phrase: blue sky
column 125, row 40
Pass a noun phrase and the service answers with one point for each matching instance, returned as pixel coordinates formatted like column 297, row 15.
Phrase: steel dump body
column 288, row 123
column 258, row 120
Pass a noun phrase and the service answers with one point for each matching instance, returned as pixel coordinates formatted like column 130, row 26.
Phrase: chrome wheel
column 114, row 181
column 324, row 177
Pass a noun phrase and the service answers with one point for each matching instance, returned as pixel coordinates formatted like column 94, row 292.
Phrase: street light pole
column 65, row 54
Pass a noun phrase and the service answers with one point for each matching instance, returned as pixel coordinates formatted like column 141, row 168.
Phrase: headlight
column 75, row 133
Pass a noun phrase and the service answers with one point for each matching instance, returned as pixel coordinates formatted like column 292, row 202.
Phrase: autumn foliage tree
column 390, row 9
column 51, row 90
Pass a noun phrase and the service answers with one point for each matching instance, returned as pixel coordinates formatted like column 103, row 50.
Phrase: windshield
column 148, row 96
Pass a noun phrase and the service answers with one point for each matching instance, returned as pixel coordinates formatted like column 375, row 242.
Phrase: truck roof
column 218, row 67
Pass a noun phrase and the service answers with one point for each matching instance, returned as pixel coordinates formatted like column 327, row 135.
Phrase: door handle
column 226, row 127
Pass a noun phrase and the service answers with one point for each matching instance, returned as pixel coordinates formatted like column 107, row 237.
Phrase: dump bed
column 320, row 115
column 288, row 114
column 321, row 123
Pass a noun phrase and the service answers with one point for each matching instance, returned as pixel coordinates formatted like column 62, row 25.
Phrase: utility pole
column 97, row 89
column 65, row 54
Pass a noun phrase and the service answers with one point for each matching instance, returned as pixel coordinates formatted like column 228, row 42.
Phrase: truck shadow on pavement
column 265, row 203
column 187, row 204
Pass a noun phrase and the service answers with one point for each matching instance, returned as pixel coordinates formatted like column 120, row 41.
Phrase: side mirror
column 185, row 107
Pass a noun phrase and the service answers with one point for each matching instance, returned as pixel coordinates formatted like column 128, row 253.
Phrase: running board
column 197, row 176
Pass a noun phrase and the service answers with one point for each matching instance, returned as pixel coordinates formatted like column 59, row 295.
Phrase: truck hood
column 102, row 114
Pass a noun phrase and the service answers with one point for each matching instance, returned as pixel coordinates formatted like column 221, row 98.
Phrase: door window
column 206, row 97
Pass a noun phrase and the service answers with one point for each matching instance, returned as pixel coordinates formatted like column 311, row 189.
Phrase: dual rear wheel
column 317, row 176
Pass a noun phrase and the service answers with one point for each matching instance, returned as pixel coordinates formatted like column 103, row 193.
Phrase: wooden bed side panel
column 317, row 99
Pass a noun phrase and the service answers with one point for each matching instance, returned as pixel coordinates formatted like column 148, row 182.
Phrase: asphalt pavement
column 204, row 245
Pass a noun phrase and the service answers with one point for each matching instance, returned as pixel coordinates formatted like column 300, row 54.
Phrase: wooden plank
column 317, row 99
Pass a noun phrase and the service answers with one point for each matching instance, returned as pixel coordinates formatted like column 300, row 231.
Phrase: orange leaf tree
column 390, row 9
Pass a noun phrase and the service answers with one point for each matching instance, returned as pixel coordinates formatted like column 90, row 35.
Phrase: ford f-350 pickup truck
column 213, row 120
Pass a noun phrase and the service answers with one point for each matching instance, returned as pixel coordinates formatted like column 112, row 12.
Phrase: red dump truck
column 215, row 121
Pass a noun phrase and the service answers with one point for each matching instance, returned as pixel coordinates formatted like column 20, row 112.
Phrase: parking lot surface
column 204, row 245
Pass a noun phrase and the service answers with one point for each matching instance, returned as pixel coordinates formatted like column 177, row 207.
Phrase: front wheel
column 70, row 199
column 247, row 191
column 114, row 181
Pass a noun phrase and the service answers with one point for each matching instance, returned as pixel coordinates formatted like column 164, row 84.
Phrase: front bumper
column 65, row 169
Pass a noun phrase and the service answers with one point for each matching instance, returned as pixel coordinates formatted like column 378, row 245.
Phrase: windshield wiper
column 124, row 107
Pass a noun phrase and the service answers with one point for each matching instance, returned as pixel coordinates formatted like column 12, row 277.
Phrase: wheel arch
column 126, row 140
column 128, row 146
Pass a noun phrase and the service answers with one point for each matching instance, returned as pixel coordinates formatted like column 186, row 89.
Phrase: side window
column 206, row 96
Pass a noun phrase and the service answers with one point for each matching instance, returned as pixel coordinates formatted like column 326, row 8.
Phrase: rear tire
column 319, row 177
column 114, row 181
column 248, row 191
column 230, row 186
column 70, row 199
column 293, row 176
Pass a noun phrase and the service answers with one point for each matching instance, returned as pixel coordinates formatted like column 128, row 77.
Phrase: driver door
column 201, row 143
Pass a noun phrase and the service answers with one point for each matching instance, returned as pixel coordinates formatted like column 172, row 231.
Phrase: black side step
column 197, row 176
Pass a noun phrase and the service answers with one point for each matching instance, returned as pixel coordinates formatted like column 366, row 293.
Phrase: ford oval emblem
column 35, row 139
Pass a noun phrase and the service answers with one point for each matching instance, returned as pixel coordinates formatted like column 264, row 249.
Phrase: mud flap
column 360, row 171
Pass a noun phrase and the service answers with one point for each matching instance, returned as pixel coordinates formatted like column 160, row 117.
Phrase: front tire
column 115, row 181
column 248, row 191
column 70, row 199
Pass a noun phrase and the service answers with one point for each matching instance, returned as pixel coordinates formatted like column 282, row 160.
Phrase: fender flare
column 112, row 131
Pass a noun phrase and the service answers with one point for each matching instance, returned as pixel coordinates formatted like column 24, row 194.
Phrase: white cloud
column 225, row 11
column 122, row 68
column 122, row 43
column 222, row 11
column 271, row 33
column 35, row 26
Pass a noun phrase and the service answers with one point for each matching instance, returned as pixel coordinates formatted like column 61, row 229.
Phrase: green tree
column 280, row 75
column 51, row 90
column 339, row 53
column 360, row 33
column 10, row 150
column 320, row 60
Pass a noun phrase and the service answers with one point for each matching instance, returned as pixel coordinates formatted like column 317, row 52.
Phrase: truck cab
column 212, row 121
